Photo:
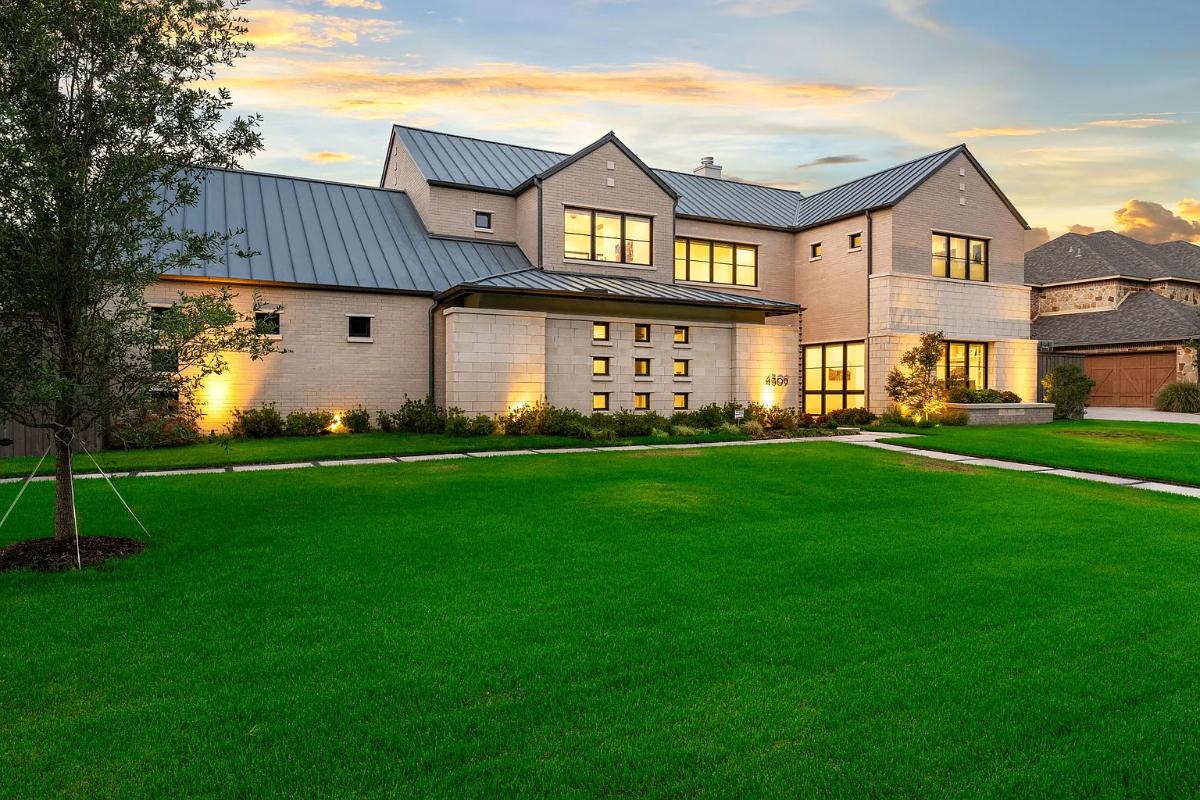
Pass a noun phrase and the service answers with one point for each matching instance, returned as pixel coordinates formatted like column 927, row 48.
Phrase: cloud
column 329, row 157
column 760, row 8
column 375, row 89
column 1136, row 122
column 1153, row 222
column 913, row 12
column 1081, row 229
column 370, row 5
column 1035, row 237
column 827, row 160
column 292, row 29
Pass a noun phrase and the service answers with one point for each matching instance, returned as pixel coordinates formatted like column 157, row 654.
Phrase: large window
column 959, row 257
column 606, row 236
column 834, row 376
column 716, row 262
column 964, row 364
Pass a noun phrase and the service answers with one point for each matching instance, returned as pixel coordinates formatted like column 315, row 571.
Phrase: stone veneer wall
column 1106, row 295
column 494, row 359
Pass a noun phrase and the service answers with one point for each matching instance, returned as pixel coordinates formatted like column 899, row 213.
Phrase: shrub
column 752, row 428
column 953, row 417
column 683, row 430
column 459, row 424
column 780, row 418
column 914, row 382
column 961, row 394
column 263, row 422
column 172, row 424
column 729, row 429
column 357, row 420
column 827, row 422
column 894, row 416
column 710, row 417
column 1009, row 397
column 415, row 416
column 564, row 422
column 853, row 417
column 1068, row 387
column 308, row 423
column 1180, row 397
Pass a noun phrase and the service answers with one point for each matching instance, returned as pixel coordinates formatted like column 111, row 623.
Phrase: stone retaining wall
column 1005, row 413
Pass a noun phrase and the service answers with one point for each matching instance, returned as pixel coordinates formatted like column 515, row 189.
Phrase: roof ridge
column 262, row 174
column 888, row 169
column 728, row 181
column 480, row 139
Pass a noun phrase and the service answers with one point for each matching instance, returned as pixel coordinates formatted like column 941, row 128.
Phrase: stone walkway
column 871, row 439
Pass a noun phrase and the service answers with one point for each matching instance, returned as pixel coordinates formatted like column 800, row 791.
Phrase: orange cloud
column 1013, row 130
column 377, row 89
column 1154, row 222
column 286, row 29
column 329, row 157
column 1081, row 229
column 370, row 5
column 1140, row 122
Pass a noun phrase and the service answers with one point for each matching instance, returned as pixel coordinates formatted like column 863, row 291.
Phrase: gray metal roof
column 1079, row 257
column 624, row 288
column 300, row 230
column 1141, row 317
column 718, row 198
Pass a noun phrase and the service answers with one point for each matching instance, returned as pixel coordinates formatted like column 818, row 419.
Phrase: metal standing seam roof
column 1140, row 317
column 537, row 280
column 1105, row 254
column 307, row 231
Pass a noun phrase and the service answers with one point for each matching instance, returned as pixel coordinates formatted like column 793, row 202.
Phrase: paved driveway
column 1141, row 415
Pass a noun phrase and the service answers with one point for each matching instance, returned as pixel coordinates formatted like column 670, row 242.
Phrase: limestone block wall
column 1012, row 366
column 495, row 359
column 967, row 310
column 766, row 365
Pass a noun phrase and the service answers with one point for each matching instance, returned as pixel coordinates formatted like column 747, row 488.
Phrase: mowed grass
column 311, row 448
column 1156, row 450
column 814, row 619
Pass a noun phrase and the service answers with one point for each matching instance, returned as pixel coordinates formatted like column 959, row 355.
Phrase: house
column 1127, row 307
column 491, row 275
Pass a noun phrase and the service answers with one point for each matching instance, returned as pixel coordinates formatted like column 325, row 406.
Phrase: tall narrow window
column 607, row 236
column 960, row 257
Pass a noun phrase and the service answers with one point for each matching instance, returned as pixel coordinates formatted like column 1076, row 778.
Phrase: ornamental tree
column 913, row 384
column 107, row 115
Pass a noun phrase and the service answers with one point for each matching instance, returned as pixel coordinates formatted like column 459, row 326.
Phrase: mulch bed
column 56, row 555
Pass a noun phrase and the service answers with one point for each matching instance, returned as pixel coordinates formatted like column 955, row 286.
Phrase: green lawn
column 1157, row 450
column 289, row 448
column 813, row 620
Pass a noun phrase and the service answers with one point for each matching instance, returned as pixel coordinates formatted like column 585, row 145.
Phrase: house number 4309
column 777, row 380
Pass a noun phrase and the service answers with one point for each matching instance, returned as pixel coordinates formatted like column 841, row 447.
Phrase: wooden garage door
column 1130, row 380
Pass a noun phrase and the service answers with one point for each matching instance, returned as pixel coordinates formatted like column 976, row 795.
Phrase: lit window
column 814, row 250
column 641, row 332
column 855, row 241
column 959, row 257
column 683, row 367
column 641, row 401
column 641, row 367
column 605, row 236
column 483, row 220
column 358, row 327
column 600, row 365
column 716, row 262
column 834, row 377
column 682, row 334
column 964, row 364
column 267, row 322
column 599, row 401
column 680, row 401
column 599, row 331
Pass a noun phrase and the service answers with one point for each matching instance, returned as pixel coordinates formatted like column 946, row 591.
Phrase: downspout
column 540, row 262
column 432, row 349
column 867, row 337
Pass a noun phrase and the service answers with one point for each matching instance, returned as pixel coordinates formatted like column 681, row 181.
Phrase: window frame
column 815, row 252
column 606, row 361
column 638, row 328
column 262, row 314
column 607, row 331
column 351, row 336
column 712, row 262
column 675, row 404
column 947, row 272
column 823, row 392
column 490, row 220
column 607, row 401
column 851, row 247
column 592, row 212
column 637, row 362
column 641, row 395
column 687, row 368
column 687, row 335
column 944, row 377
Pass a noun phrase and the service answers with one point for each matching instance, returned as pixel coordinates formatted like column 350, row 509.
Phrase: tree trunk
column 64, row 490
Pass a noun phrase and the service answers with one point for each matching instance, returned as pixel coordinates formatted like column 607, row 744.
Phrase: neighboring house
column 1126, row 306
column 491, row 275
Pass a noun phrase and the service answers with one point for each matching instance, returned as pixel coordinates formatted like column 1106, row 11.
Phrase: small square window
column 483, row 220
column 600, row 365
column 267, row 322
column 814, row 250
column 358, row 327
column 599, row 331
column 641, row 366
column 156, row 315
column 683, row 367
column 682, row 335
column 599, row 401
column 641, row 401
column 680, row 401
column 641, row 332
column 856, row 241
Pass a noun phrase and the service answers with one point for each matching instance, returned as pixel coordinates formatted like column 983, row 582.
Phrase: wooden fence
column 21, row 440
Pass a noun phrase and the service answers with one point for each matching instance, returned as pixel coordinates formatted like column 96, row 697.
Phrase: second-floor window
column 716, row 262
column 959, row 257
column 606, row 236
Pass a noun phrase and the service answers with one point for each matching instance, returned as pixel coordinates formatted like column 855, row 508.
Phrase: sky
column 1087, row 114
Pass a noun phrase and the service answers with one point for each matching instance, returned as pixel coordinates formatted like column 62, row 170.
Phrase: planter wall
column 1005, row 413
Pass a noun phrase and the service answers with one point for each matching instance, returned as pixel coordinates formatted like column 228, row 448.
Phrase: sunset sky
column 1086, row 113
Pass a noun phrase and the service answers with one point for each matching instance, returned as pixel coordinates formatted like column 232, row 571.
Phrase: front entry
column 1130, row 380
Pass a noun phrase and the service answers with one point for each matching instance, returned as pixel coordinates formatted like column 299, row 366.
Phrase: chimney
column 707, row 168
